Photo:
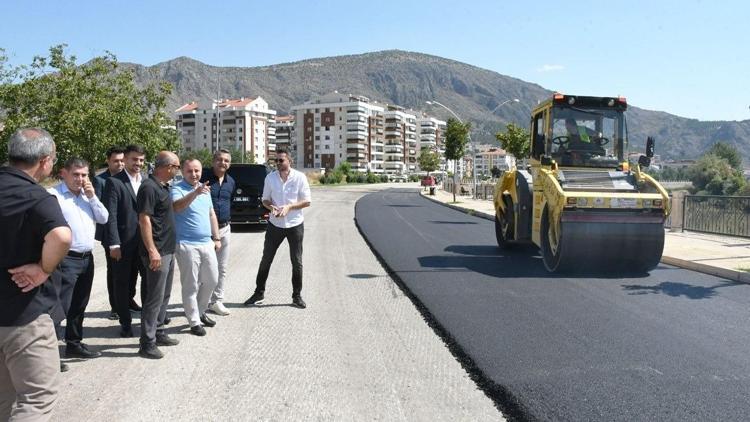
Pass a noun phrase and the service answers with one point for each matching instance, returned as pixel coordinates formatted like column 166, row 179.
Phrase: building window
column 316, row 156
column 317, row 128
column 328, row 138
column 327, row 147
column 317, row 138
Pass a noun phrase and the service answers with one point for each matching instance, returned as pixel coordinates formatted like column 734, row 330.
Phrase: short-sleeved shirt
column 155, row 201
column 221, row 194
column 193, row 223
column 280, row 193
column 27, row 213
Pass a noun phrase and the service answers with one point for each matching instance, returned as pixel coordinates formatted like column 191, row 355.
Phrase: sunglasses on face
column 280, row 160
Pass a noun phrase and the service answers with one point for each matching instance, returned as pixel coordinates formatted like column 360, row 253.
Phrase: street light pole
column 515, row 100
column 468, row 137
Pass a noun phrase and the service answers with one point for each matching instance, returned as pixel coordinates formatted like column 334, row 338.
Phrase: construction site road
column 360, row 351
column 671, row 345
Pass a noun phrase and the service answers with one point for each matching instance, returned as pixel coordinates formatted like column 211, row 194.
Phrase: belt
column 75, row 254
column 224, row 224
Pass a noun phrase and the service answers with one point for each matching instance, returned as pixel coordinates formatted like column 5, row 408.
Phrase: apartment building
column 401, row 143
column 245, row 124
column 284, row 128
column 488, row 157
column 431, row 135
column 337, row 128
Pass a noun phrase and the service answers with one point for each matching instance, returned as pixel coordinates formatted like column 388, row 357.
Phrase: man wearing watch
column 198, row 240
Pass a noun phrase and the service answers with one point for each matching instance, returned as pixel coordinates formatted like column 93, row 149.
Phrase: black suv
column 247, row 207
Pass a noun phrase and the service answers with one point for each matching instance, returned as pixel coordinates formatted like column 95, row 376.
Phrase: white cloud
column 550, row 68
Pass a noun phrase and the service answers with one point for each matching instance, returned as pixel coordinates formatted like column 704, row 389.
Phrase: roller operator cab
column 579, row 199
column 247, row 206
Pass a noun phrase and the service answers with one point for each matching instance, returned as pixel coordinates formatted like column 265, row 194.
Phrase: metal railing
column 727, row 215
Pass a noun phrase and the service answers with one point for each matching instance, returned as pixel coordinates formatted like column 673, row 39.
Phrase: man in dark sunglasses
column 285, row 193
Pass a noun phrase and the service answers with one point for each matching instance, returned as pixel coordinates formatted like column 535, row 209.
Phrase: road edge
column 733, row 275
column 505, row 402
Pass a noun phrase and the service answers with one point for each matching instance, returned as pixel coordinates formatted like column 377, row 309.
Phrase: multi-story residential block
column 244, row 124
column 488, row 157
column 431, row 135
column 337, row 128
column 401, row 143
column 284, row 127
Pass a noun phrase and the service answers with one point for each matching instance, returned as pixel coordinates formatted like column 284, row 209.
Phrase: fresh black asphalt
column 673, row 345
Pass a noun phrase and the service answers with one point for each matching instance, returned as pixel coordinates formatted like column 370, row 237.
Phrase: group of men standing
column 145, row 225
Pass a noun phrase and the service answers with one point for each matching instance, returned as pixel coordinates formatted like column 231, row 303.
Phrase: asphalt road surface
column 361, row 351
column 671, row 345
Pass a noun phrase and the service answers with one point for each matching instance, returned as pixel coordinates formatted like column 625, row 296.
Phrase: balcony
column 355, row 146
column 356, row 155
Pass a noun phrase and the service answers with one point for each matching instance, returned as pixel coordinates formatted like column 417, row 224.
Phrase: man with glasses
column 159, row 241
column 285, row 193
column 35, row 239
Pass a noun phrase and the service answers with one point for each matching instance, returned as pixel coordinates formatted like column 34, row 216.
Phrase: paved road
column 360, row 351
column 673, row 345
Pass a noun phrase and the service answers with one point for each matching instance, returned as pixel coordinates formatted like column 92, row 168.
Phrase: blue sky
column 687, row 57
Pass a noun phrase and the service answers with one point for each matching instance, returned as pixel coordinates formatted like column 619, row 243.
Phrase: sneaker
column 255, row 299
column 80, row 350
column 219, row 309
column 208, row 322
column 298, row 302
column 150, row 352
column 198, row 330
column 162, row 339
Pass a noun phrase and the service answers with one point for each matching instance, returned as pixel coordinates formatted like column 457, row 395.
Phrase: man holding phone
column 285, row 193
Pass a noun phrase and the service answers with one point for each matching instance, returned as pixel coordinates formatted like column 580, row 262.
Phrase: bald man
column 159, row 241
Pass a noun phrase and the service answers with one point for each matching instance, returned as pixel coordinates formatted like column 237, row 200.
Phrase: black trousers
column 75, row 290
column 110, row 280
column 125, row 275
column 274, row 237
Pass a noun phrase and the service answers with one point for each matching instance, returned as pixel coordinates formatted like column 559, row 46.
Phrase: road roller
column 577, row 197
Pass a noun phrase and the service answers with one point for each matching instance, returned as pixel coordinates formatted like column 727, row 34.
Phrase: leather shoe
column 64, row 367
column 162, row 339
column 150, row 352
column 134, row 306
column 126, row 332
column 255, row 299
column 208, row 322
column 113, row 315
column 198, row 330
column 298, row 302
column 167, row 320
column 80, row 350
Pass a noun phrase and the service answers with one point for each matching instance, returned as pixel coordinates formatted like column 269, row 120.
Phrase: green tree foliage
column 727, row 152
column 203, row 155
column 713, row 175
column 428, row 160
column 238, row 157
column 515, row 140
column 87, row 108
column 456, row 138
column 672, row 173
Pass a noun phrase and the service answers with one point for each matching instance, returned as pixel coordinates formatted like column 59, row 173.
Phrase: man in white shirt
column 82, row 210
column 285, row 193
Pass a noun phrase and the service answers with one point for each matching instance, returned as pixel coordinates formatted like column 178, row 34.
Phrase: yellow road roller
column 578, row 198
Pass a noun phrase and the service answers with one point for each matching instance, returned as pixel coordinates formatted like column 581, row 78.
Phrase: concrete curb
column 733, row 275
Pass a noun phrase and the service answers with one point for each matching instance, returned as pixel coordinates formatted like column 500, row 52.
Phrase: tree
column 203, row 155
column 727, row 152
column 429, row 160
column 456, row 137
column 87, row 108
column 238, row 157
column 515, row 140
column 713, row 175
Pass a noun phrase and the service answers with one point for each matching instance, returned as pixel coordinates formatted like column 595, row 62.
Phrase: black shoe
column 150, row 352
column 208, row 322
column 63, row 367
column 198, row 330
column 298, row 302
column 126, row 332
column 80, row 350
column 167, row 320
column 162, row 339
column 135, row 307
column 113, row 315
column 255, row 299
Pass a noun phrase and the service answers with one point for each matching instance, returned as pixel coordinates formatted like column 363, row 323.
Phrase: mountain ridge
column 408, row 79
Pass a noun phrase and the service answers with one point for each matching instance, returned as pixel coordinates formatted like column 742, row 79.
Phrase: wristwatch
column 216, row 239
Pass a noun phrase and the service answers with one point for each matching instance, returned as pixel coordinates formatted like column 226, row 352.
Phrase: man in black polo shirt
column 35, row 239
column 157, row 226
column 222, row 189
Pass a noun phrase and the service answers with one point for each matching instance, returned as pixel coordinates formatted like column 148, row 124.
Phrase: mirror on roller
column 650, row 147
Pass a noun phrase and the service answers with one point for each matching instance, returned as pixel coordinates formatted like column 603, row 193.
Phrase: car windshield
column 248, row 174
column 588, row 137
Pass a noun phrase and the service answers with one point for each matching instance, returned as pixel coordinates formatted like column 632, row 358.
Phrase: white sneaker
column 219, row 309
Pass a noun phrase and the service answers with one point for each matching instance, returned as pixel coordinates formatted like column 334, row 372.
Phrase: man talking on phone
column 285, row 193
